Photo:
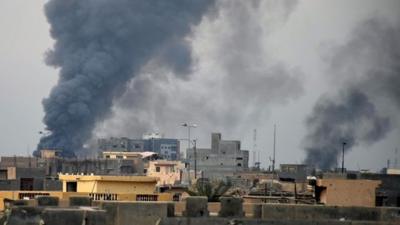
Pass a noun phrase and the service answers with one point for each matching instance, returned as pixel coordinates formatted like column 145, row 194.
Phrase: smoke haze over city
column 325, row 73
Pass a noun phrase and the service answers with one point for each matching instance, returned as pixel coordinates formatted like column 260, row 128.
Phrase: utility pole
column 343, row 144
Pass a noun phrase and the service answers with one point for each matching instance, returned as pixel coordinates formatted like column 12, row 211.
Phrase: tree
column 213, row 190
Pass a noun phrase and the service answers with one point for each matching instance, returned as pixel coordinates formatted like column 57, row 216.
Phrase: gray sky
column 295, row 36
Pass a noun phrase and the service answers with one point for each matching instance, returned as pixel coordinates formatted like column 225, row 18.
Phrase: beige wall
column 170, row 171
column 340, row 192
column 11, row 173
column 111, row 184
column 116, row 187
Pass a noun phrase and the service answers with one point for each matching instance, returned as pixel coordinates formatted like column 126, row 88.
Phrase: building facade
column 223, row 159
column 345, row 192
column 167, row 148
column 168, row 173
column 108, row 184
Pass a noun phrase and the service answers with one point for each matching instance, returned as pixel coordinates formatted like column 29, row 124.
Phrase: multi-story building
column 223, row 159
column 167, row 148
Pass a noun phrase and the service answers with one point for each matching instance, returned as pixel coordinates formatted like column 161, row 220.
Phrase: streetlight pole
column 343, row 144
column 195, row 158
column 188, row 125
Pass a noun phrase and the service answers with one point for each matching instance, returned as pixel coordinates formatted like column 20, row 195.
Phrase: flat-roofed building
column 345, row 192
column 167, row 172
column 108, row 184
column 223, row 159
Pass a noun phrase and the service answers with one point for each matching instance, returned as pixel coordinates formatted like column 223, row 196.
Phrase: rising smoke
column 99, row 46
column 232, row 88
column 367, row 70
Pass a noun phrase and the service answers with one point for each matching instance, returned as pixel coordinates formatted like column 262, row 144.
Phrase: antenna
column 274, row 153
column 254, row 146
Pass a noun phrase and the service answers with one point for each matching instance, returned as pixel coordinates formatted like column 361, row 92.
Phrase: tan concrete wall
column 340, row 192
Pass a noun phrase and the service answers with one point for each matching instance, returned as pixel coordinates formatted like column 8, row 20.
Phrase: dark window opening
column 26, row 184
column 72, row 186
column 239, row 165
column 157, row 169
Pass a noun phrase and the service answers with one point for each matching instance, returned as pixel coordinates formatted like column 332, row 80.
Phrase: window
column 71, row 186
column 119, row 157
column 239, row 165
column 157, row 169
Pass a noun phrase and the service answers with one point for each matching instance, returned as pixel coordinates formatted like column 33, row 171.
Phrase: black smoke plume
column 100, row 45
column 367, row 70
column 350, row 119
column 236, row 82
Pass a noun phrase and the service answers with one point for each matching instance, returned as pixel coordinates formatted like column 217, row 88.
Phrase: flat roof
column 69, row 177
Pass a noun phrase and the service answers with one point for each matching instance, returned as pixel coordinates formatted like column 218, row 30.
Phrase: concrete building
column 167, row 148
column 108, row 184
column 388, row 193
column 223, row 159
column 168, row 173
column 19, row 161
column 294, row 172
column 19, row 178
column 345, row 192
column 122, row 155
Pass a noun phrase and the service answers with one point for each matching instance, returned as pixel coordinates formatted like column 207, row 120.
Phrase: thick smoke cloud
column 99, row 46
column 350, row 119
column 367, row 70
column 235, row 82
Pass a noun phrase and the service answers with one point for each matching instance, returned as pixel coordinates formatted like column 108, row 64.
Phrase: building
column 108, row 184
column 388, row 193
column 19, row 161
column 122, row 155
column 49, row 154
column 294, row 172
column 345, row 192
column 168, row 173
column 19, row 178
column 167, row 148
column 223, row 159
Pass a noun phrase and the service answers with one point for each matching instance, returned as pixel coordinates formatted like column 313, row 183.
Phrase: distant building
column 122, row 144
column 223, row 159
column 49, row 154
column 167, row 148
column 294, row 172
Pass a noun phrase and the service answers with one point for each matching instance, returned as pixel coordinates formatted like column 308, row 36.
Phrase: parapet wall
column 231, row 211
column 320, row 212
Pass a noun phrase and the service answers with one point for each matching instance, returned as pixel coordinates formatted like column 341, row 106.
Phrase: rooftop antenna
column 254, row 146
column 274, row 153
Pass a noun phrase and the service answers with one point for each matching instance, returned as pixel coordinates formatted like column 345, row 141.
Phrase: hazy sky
column 289, row 38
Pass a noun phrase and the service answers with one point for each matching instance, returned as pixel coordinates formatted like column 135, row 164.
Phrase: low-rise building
column 108, row 184
column 169, row 173
column 345, row 192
